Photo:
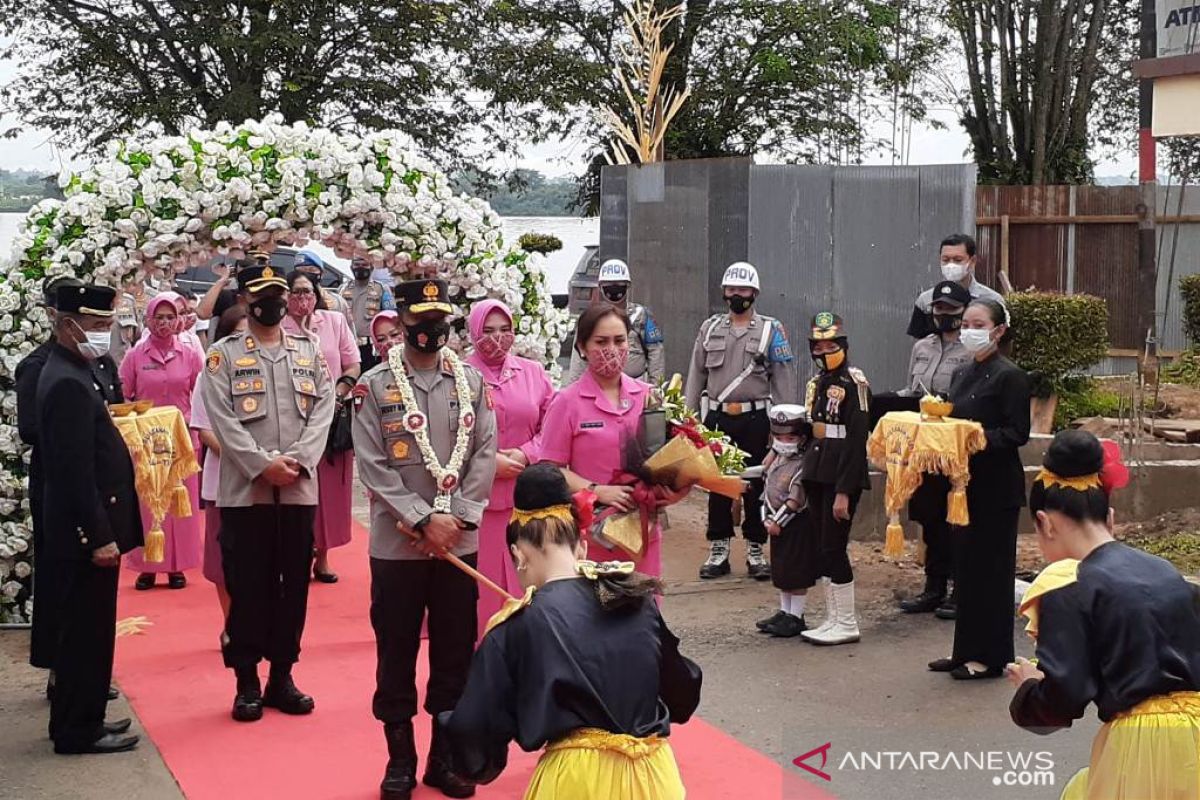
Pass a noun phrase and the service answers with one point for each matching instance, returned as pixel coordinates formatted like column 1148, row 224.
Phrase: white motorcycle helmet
column 614, row 270
column 741, row 273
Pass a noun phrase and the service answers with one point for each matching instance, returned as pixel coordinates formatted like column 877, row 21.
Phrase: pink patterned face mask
column 164, row 328
column 302, row 305
column 493, row 347
column 187, row 322
column 607, row 362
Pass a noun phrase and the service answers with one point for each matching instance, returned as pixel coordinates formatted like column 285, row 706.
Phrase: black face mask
column 738, row 304
column 269, row 311
column 945, row 323
column 361, row 274
column 615, row 292
column 428, row 336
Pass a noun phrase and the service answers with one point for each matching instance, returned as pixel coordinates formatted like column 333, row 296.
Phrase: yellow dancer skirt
column 592, row 763
column 1150, row 752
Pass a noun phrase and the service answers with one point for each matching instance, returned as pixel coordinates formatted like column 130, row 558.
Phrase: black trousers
column 939, row 550
column 401, row 593
column 43, row 639
column 752, row 433
column 83, row 658
column 267, row 554
column 830, row 558
column 367, row 357
column 986, row 563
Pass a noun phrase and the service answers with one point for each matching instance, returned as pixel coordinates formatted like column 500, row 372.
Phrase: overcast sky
column 33, row 149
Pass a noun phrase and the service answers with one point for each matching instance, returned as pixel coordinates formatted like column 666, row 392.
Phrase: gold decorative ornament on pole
column 639, row 71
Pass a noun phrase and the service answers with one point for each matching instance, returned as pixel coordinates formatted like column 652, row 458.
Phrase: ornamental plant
column 178, row 201
column 1057, row 335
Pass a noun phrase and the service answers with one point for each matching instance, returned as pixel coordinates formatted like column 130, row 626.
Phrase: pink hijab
column 382, row 316
column 475, row 321
column 176, row 301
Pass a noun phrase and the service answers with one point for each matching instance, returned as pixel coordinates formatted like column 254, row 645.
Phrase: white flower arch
column 177, row 201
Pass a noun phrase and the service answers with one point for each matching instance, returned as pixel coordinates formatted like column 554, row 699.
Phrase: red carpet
column 172, row 674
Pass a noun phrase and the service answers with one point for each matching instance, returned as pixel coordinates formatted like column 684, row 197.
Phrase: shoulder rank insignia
column 511, row 607
column 250, row 343
column 214, row 361
column 864, row 387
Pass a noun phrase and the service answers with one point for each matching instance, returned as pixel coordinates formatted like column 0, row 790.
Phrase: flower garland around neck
column 415, row 422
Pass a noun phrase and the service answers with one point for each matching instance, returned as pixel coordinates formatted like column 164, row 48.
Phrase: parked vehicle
column 200, row 279
column 585, row 280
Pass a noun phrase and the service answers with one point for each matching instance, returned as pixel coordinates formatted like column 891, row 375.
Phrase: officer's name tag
column 586, row 425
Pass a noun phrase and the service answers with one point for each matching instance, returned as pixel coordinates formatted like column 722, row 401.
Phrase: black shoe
column 400, row 778
column 927, row 601
column 947, row 610
column 108, row 743
column 764, row 624
column 248, row 703
column 965, row 673
column 943, row 665
column 324, row 577
column 282, row 694
column 787, row 627
column 144, row 581
column 113, row 694
column 176, row 580
column 439, row 776
column 119, row 726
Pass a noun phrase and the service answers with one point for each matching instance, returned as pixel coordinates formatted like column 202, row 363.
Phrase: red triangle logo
column 823, row 750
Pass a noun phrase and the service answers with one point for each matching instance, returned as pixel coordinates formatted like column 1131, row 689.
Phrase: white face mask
column 976, row 340
column 95, row 344
column 786, row 448
column 952, row 271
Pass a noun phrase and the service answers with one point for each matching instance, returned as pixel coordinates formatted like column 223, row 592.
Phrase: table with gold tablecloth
column 163, row 457
column 907, row 445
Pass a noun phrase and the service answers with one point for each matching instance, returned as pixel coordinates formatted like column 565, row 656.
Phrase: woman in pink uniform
column 589, row 422
column 335, row 475
column 234, row 320
column 164, row 369
column 521, row 393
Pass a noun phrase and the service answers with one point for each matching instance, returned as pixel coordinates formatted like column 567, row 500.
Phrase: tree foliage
column 92, row 70
column 1057, row 335
column 1033, row 69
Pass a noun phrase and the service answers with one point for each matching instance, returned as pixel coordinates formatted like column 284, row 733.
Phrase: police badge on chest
column 834, row 396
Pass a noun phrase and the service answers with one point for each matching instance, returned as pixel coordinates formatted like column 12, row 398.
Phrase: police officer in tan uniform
column 741, row 364
column 366, row 298
column 646, row 358
column 408, row 424
column 270, row 403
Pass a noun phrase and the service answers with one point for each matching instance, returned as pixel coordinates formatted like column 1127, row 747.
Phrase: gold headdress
column 594, row 570
column 1080, row 483
column 562, row 512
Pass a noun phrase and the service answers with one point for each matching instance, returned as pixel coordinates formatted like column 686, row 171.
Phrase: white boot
column 845, row 628
column 822, row 588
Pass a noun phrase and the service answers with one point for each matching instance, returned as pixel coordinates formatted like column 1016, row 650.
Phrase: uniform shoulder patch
column 780, row 349
column 651, row 333
column 359, row 393
column 864, row 388
column 213, row 361
column 859, row 376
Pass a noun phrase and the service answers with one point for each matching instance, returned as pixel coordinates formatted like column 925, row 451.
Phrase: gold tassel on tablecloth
column 181, row 503
column 155, row 547
column 956, row 507
column 893, row 544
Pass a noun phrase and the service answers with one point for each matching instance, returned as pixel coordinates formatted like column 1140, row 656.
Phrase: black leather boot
column 283, row 695
column 400, row 777
column 248, row 703
column 928, row 600
column 949, row 607
column 437, row 769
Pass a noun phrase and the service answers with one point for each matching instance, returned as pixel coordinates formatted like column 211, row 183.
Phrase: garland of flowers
column 178, row 201
column 416, row 423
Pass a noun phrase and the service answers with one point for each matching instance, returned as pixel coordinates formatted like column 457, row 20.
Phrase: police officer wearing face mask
column 90, row 515
column 958, row 262
column 270, row 403
column 741, row 364
column 934, row 361
column 425, row 444
column 366, row 298
column 646, row 359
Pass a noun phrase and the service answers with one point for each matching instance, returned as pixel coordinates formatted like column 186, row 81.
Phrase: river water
column 575, row 233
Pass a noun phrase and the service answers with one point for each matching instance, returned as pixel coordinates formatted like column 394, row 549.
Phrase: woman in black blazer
column 994, row 392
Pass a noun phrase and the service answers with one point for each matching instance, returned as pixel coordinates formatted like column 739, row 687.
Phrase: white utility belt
column 823, row 431
column 736, row 409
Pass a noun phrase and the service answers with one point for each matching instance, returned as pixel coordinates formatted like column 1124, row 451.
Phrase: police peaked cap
column 51, row 285
column 424, row 295
column 789, row 418
column 827, row 326
column 951, row 292
column 258, row 277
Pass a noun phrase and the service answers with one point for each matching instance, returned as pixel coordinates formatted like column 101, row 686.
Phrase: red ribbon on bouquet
column 645, row 497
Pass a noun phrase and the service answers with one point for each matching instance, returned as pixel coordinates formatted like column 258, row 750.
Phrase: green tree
column 91, row 70
column 1033, row 72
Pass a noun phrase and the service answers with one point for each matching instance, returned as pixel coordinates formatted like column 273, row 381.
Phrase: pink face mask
column 493, row 347
column 302, row 305
column 607, row 362
column 164, row 328
column 187, row 322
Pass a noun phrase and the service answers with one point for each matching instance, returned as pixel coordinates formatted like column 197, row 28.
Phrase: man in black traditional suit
column 45, row 622
column 90, row 517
